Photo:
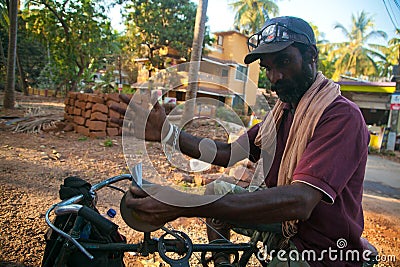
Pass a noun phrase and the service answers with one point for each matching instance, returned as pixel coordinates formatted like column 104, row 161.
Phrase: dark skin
column 295, row 201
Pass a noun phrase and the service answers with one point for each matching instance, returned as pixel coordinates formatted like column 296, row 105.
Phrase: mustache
column 279, row 86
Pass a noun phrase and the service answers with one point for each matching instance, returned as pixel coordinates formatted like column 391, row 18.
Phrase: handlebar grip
column 105, row 226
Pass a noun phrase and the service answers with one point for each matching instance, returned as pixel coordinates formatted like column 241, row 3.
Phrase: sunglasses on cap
column 276, row 32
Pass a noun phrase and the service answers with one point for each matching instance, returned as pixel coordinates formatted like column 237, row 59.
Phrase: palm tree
column 392, row 53
column 9, row 96
column 394, row 49
column 324, row 47
column 251, row 14
column 249, row 18
column 195, row 57
column 356, row 57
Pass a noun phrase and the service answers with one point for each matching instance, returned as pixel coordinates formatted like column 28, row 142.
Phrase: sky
column 322, row 13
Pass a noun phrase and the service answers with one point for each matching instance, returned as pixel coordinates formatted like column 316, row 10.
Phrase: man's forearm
column 277, row 204
column 207, row 150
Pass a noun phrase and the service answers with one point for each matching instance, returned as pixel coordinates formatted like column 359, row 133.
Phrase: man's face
column 290, row 75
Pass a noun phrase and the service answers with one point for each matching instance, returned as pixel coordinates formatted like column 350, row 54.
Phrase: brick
column 123, row 105
column 82, row 97
column 97, row 134
column 95, row 99
column 68, row 117
column 87, row 114
column 79, row 120
column 112, row 124
column 111, row 102
column 66, row 101
column 112, row 131
column 80, row 104
column 72, row 102
column 113, row 97
column 98, row 116
column 73, row 95
column 82, row 130
column 100, row 108
column 69, row 127
column 97, row 125
column 89, row 105
column 77, row 111
column 70, row 110
column 113, row 114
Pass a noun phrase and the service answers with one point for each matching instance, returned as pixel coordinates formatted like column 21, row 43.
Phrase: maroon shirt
column 333, row 162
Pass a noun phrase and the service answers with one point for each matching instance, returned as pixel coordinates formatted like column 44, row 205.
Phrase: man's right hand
column 147, row 124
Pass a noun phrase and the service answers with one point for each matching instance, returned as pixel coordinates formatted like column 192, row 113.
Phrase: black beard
column 291, row 91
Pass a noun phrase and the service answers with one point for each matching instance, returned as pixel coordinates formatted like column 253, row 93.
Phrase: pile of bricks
column 91, row 115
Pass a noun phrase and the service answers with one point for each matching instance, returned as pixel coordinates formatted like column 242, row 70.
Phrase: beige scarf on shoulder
column 307, row 114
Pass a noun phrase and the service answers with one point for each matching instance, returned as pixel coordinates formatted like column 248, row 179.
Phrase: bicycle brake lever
column 65, row 235
column 137, row 174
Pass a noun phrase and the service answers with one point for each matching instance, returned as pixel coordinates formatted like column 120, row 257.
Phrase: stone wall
column 90, row 114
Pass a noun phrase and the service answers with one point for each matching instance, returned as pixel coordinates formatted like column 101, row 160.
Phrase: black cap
column 298, row 30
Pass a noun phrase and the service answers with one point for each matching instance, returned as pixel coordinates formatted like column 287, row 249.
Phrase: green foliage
column 391, row 53
column 82, row 138
column 251, row 14
column 75, row 32
column 108, row 143
column 105, row 84
column 356, row 57
column 46, row 79
column 157, row 24
column 263, row 81
column 62, row 43
column 31, row 53
column 327, row 67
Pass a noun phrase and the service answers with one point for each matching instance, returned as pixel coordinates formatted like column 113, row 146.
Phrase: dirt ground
column 33, row 166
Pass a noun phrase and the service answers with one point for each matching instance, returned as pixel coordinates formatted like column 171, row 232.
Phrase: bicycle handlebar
column 105, row 226
column 110, row 181
column 162, row 245
column 70, row 206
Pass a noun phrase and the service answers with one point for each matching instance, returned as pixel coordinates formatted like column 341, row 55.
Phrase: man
column 316, row 168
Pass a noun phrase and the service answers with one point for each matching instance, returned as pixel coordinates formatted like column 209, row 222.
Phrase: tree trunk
column 195, row 58
column 59, row 88
column 9, row 96
column 3, row 60
column 73, row 86
column 2, row 56
column 22, row 76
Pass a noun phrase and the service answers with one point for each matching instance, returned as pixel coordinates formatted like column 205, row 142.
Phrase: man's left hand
column 152, row 205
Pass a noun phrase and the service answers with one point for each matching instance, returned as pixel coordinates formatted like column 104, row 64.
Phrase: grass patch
column 108, row 143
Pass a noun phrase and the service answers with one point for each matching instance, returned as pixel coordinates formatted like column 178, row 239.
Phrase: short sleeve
column 334, row 153
column 246, row 141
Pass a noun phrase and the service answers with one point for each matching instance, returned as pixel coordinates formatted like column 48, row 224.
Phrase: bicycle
column 174, row 247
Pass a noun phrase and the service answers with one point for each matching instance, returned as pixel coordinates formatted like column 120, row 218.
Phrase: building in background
column 223, row 74
column 374, row 101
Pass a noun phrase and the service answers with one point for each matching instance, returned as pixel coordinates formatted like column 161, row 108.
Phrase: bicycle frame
column 180, row 243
